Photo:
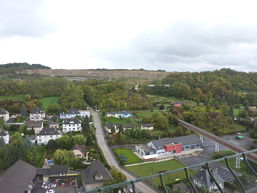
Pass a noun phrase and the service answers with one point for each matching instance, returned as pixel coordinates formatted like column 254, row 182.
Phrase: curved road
column 100, row 138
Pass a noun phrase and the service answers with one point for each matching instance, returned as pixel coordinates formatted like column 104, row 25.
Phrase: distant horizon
column 130, row 69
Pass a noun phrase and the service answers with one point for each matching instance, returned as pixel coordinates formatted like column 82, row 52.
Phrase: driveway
column 109, row 156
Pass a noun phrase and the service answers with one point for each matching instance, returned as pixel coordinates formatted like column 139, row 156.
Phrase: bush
column 220, row 154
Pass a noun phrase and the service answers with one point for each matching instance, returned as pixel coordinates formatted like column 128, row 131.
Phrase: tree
column 23, row 110
column 79, row 139
column 65, row 142
column 52, row 145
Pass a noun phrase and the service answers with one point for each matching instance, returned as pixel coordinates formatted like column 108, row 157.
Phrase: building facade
column 72, row 124
column 5, row 136
column 168, row 146
column 72, row 113
column 46, row 135
column 119, row 114
column 4, row 115
column 37, row 115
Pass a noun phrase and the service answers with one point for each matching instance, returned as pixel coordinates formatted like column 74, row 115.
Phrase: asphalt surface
column 102, row 143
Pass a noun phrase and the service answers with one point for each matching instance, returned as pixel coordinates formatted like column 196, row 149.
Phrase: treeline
column 114, row 95
column 36, row 88
column 214, row 88
column 22, row 66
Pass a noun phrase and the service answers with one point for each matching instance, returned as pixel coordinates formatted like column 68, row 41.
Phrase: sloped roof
column 119, row 112
column 71, row 121
column 49, row 131
column 81, row 148
column 73, row 112
column 3, row 133
column 37, row 111
column 205, row 178
column 17, row 178
column 53, row 170
column 184, row 140
column 96, row 168
column 31, row 124
column 147, row 125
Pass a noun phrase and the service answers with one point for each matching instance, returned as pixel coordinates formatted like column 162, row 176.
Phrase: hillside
column 98, row 74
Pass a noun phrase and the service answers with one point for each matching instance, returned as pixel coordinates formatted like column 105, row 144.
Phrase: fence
column 132, row 183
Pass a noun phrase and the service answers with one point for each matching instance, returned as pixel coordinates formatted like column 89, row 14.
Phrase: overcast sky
column 174, row 35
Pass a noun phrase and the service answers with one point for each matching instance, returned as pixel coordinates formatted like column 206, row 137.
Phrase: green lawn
column 157, row 167
column 236, row 111
column 48, row 101
column 168, row 100
column 127, row 153
column 123, row 121
column 14, row 97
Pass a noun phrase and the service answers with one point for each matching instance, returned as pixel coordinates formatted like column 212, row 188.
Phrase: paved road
column 141, row 187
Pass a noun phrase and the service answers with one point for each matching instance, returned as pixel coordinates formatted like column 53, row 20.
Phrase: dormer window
column 98, row 176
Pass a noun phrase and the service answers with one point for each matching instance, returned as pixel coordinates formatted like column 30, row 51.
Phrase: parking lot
column 246, row 142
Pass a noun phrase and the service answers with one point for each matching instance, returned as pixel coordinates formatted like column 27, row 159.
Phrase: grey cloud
column 22, row 18
column 191, row 47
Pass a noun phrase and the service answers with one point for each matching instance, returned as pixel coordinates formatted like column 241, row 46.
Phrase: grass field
column 132, row 158
column 123, row 121
column 14, row 97
column 48, row 101
column 157, row 167
column 168, row 100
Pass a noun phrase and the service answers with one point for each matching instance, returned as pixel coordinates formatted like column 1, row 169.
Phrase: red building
column 174, row 148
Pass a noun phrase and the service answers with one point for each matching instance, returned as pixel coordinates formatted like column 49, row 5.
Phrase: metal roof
column 183, row 140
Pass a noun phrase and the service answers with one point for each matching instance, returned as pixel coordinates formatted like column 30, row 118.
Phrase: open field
column 168, row 100
column 48, row 101
column 127, row 153
column 123, row 121
column 157, row 167
column 14, row 97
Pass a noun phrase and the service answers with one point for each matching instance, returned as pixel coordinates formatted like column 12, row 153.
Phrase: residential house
column 72, row 124
column 72, row 113
column 147, row 126
column 33, row 139
column 119, row 114
column 4, row 115
column 128, row 127
column 5, row 136
column 18, row 178
column 37, row 126
column 95, row 175
column 113, row 127
column 203, row 179
column 253, row 108
column 53, row 172
column 168, row 146
column 177, row 104
column 37, row 114
column 52, row 124
column 46, row 135
column 79, row 151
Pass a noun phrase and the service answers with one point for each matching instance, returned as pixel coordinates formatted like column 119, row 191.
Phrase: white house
column 46, row 135
column 72, row 113
column 5, row 136
column 37, row 126
column 72, row 124
column 148, row 126
column 37, row 114
column 4, row 114
column 119, row 114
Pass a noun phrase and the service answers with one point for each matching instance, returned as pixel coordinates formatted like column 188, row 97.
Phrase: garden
column 126, row 156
